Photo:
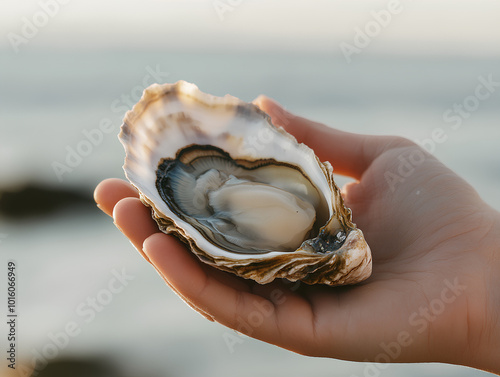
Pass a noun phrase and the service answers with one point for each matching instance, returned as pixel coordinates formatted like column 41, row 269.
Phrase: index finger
column 349, row 153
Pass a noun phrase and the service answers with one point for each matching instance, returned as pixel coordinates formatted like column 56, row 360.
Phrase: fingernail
column 259, row 98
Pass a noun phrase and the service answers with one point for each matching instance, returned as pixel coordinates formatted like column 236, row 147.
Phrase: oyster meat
column 240, row 192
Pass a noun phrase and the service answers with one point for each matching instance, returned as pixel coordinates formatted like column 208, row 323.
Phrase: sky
column 442, row 27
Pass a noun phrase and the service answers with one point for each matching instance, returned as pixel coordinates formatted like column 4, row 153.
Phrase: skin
column 434, row 293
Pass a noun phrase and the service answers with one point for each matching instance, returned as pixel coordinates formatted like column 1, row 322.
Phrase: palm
column 406, row 229
column 407, row 226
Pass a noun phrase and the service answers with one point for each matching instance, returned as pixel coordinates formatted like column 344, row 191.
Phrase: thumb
column 350, row 154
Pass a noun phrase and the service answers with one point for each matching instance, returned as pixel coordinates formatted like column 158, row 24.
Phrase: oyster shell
column 242, row 193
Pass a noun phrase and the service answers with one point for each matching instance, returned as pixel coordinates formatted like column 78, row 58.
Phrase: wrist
column 486, row 356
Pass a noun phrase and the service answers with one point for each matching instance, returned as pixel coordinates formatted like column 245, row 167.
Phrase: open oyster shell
column 242, row 193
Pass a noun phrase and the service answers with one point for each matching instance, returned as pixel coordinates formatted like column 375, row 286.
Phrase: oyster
column 242, row 193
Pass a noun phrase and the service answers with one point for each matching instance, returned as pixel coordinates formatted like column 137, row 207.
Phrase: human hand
column 434, row 292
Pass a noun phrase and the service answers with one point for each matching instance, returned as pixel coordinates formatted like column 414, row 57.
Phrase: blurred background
column 70, row 69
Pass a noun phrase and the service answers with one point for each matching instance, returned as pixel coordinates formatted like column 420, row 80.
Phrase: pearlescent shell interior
column 171, row 117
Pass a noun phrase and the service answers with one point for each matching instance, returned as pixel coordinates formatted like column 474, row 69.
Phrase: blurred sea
column 50, row 101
